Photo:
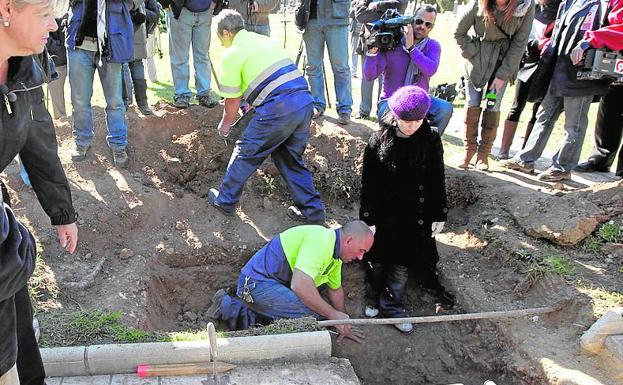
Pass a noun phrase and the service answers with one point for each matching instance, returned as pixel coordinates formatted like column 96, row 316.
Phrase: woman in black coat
column 404, row 196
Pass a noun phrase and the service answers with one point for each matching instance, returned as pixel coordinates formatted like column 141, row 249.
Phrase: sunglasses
column 428, row 24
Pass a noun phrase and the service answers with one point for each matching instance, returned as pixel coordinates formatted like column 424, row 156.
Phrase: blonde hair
column 57, row 7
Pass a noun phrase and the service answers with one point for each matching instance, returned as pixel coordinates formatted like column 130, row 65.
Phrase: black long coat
column 403, row 192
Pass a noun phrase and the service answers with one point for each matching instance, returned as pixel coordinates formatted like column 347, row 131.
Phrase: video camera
column 386, row 33
column 600, row 63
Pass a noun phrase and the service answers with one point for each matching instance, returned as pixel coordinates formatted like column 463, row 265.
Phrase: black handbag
column 542, row 75
column 301, row 15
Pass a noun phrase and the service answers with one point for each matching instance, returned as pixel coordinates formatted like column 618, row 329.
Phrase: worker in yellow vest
column 256, row 69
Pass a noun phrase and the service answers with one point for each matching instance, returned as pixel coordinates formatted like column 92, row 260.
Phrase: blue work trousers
column 284, row 138
column 261, row 302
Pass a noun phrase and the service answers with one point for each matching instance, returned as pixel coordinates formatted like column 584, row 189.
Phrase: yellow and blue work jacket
column 257, row 69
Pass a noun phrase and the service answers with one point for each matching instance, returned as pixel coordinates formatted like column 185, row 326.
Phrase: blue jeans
column 439, row 114
column 257, row 28
column 336, row 38
column 385, row 288
column 271, row 300
column 576, row 121
column 285, row 139
column 190, row 28
column 81, row 70
column 475, row 96
column 134, row 70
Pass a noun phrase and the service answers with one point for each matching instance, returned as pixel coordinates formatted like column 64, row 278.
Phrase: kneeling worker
column 256, row 68
column 281, row 280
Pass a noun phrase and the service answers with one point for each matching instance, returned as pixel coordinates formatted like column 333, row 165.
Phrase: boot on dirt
column 507, row 139
column 140, row 92
column 490, row 122
column 120, row 158
column 527, row 134
column 79, row 153
column 214, row 311
column 472, row 115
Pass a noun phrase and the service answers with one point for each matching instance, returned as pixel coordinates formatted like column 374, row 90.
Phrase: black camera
column 386, row 33
column 601, row 63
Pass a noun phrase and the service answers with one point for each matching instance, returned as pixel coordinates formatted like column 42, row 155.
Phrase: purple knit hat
column 409, row 103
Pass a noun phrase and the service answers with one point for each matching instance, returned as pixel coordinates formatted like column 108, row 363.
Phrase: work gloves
column 436, row 228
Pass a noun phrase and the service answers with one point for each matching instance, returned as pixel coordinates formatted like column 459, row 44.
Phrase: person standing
column 494, row 52
column 190, row 23
column 404, row 196
column 58, row 53
column 255, row 14
column 328, row 25
column 27, row 129
column 256, row 68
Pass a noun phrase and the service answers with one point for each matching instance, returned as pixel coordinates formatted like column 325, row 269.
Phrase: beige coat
column 493, row 50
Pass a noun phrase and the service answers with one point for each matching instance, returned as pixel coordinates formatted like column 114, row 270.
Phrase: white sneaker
column 404, row 328
column 371, row 312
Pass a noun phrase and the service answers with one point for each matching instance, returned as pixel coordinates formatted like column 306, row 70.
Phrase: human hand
column 223, row 129
column 577, row 54
column 436, row 228
column 497, row 84
column 347, row 331
column 255, row 7
column 409, row 39
column 68, row 237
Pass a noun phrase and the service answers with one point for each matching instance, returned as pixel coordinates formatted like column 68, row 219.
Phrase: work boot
column 208, row 100
column 120, row 158
column 526, row 135
column 181, row 101
column 343, row 118
column 507, row 139
column 472, row 115
column 79, row 153
column 214, row 311
column 490, row 122
column 140, row 93
column 513, row 164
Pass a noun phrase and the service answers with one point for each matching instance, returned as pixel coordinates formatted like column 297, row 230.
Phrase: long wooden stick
column 182, row 369
column 446, row 318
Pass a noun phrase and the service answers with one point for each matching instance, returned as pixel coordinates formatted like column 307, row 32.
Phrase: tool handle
column 212, row 337
column 182, row 369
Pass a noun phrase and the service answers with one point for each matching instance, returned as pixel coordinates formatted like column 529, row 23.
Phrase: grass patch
column 592, row 244
column 548, row 264
column 602, row 299
column 610, row 232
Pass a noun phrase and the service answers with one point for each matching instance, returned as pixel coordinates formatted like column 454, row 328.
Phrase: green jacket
column 493, row 50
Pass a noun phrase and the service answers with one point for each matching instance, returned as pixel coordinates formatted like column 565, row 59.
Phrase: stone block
column 611, row 323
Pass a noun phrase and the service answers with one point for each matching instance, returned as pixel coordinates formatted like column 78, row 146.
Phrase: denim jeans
column 439, row 114
column 191, row 28
column 82, row 65
column 576, row 121
column 475, row 96
column 271, row 300
column 258, row 28
column 336, row 38
column 284, row 138
column 385, row 288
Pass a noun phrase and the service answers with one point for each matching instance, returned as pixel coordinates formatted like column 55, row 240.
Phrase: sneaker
column 214, row 311
column 145, row 110
column 79, row 153
column 551, row 175
column 181, row 101
column 318, row 112
column 213, row 200
column 512, row 164
column 120, row 158
column 296, row 214
column 363, row 116
column 207, row 100
column 590, row 167
column 405, row 328
column 370, row 311
column 343, row 118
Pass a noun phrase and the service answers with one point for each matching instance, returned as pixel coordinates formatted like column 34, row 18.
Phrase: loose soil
column 167, row 251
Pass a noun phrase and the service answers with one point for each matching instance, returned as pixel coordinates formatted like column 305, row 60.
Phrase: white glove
column 437, row 227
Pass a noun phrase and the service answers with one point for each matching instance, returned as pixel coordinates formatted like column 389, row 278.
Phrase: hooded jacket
column 493, row 51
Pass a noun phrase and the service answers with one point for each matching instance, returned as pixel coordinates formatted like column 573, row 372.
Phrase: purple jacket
column 393, row 64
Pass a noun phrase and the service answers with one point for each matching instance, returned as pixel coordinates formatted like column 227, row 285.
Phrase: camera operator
column 366, row 12
column 413, row 63
column 255, row 14
column 581, row 25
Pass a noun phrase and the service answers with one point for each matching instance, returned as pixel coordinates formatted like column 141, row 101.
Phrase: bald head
column 356, row 239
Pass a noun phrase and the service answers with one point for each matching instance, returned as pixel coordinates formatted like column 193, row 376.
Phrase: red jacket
column 610, row 36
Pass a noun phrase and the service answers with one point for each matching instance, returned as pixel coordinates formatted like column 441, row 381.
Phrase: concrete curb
column 124, row 358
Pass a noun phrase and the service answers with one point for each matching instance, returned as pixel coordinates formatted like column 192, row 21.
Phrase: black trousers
column 519, row 103
column 29, row 362
column 609, row 130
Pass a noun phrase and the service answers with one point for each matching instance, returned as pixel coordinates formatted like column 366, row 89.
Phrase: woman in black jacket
column 26, row 129
column 404, row 196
